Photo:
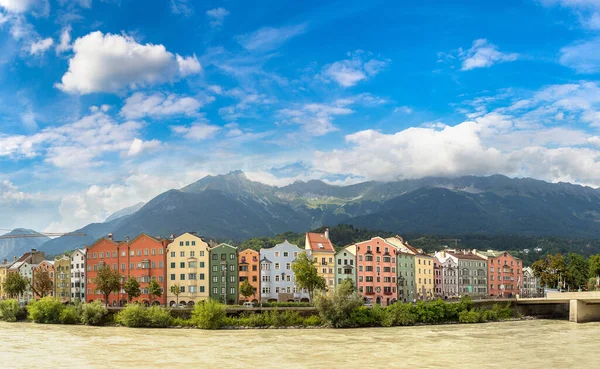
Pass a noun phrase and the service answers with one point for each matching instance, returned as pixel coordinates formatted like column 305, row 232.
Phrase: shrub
column 93, row 313
column 402, row 314
column 503, row 310
column 69, row 315
column 312, row 321
column 489, row 315
column 133, row 316
column 159, row 317
column 282, row 319
column 209, row 315
column 465, row 304
column 10, row 310
column 362, row 317
column 46, row 310
column 336, row 311
column 472, row 316
column 286, row 304
column 181, row 322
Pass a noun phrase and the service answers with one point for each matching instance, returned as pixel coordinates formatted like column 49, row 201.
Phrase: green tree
column 15, row 285
column 154, row 289
column 132, row 288
column 107, row 281
column 42, row 283
column 592, row 284
column 306, row 275
column 550, row 270
column 246, row 289
column 577, row 271
column 176, row 290
column 594, row 266
column 337, row 310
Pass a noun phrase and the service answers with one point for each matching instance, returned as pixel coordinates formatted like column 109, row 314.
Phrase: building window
column 182, row 254
column 192, row 254
column 201, row 264
column 215, row 290
column 172, row 254
column 182, row 264
column 172, row 265
column 172, row 277
column 180, row 243
column 182, row 277
column 201, row 276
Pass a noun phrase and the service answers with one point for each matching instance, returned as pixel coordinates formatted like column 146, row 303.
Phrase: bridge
column 582, row 306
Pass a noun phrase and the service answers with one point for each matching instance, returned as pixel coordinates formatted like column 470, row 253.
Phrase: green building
column 224, row 274
column 405, row 261
column 345, row 265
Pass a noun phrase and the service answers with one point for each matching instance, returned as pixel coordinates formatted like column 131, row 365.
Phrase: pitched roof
column 318, row 242
column 467, row 256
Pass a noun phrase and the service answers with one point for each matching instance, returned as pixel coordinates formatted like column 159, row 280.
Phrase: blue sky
column 105, row 103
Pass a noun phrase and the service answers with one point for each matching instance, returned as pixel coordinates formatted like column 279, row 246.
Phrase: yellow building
column 423, row 274
column 3, row 273
column 320, row 248
column 62, row 278
column 188, row 267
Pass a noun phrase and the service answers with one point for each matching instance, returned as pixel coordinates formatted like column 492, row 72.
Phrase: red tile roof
column 318, row 242
column 468, row 256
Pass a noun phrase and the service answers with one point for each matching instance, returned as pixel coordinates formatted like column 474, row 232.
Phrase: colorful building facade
column 45, row 266
column 188, row 265
column 277, row 279
column 321, row 250
column 376, row 274
column 405, row 258
column 505, row 273
column 472, row 272
column 62, row 278
column 3, row 273
column 78, row 271
column 249, row 270
column 224, row 274
column 345, row 265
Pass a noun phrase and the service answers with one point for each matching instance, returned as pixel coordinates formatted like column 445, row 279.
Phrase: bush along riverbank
column 342, row 310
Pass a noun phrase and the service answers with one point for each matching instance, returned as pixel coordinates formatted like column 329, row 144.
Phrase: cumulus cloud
column 519, row 139
column 269, row 38
column 196, row 131
column 41, row 46
column 584, row 57
column 358, row 67
column 216, row 16
column 112, row 63
column 483, row 55
column 18, row 6
column 138, row 146
column 157, row 105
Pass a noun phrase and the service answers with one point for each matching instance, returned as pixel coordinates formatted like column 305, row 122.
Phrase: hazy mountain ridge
column 233, row 207
column 11, row 247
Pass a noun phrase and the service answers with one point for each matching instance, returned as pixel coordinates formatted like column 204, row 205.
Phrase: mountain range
column 10, row 247
column 232, row 207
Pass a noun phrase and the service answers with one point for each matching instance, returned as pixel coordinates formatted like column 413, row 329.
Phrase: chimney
column 127, row 239
column 212, row 243
column 326, row 233
column 110, row 236
column 15, row 258
column 4, row 261
column 172, row 237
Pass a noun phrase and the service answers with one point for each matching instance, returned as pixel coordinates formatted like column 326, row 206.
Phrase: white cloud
column 216, row 16
column 269, row 38
column 41, row 46
column 483, row 55
column 316, row 119
column 65, row 41
column 520, row 139
column 112, row 63
column 584, row 57
column 140, row 105
column 403, row 110
column 29, row 121
column 349, row 72
column 138, row 146
column 196, row 131
column 81, row 144
column 588, row 11
column 18, row 6
column 181, row 7
column 247, row 100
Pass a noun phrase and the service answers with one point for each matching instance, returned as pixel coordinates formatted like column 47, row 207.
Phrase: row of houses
column 384, row 270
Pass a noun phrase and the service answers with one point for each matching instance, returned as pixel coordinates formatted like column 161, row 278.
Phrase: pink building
column 376, row 271
column 438, row 280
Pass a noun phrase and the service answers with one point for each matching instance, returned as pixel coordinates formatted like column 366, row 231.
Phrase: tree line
column 571, row 272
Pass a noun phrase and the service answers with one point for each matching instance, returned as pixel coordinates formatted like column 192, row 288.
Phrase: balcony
column 370, row 293
column 388, row 293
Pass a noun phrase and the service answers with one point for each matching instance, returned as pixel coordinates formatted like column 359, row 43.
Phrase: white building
column 277, row 277
column 78, row 260
column 531, row 284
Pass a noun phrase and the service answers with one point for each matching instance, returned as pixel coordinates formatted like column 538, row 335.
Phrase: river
column 526, row 344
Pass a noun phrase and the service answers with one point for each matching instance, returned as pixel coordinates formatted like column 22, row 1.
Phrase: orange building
column 249, row 269
column 376, row 274
column 44, row 266
column 144, row 258
column 505, row 273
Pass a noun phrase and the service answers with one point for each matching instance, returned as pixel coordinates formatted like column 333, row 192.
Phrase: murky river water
column 525, row 344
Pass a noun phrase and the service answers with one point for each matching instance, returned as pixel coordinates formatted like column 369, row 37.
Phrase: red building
column 376, row 271
column 143, row 258
column 505, row 273
column 438, row 280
